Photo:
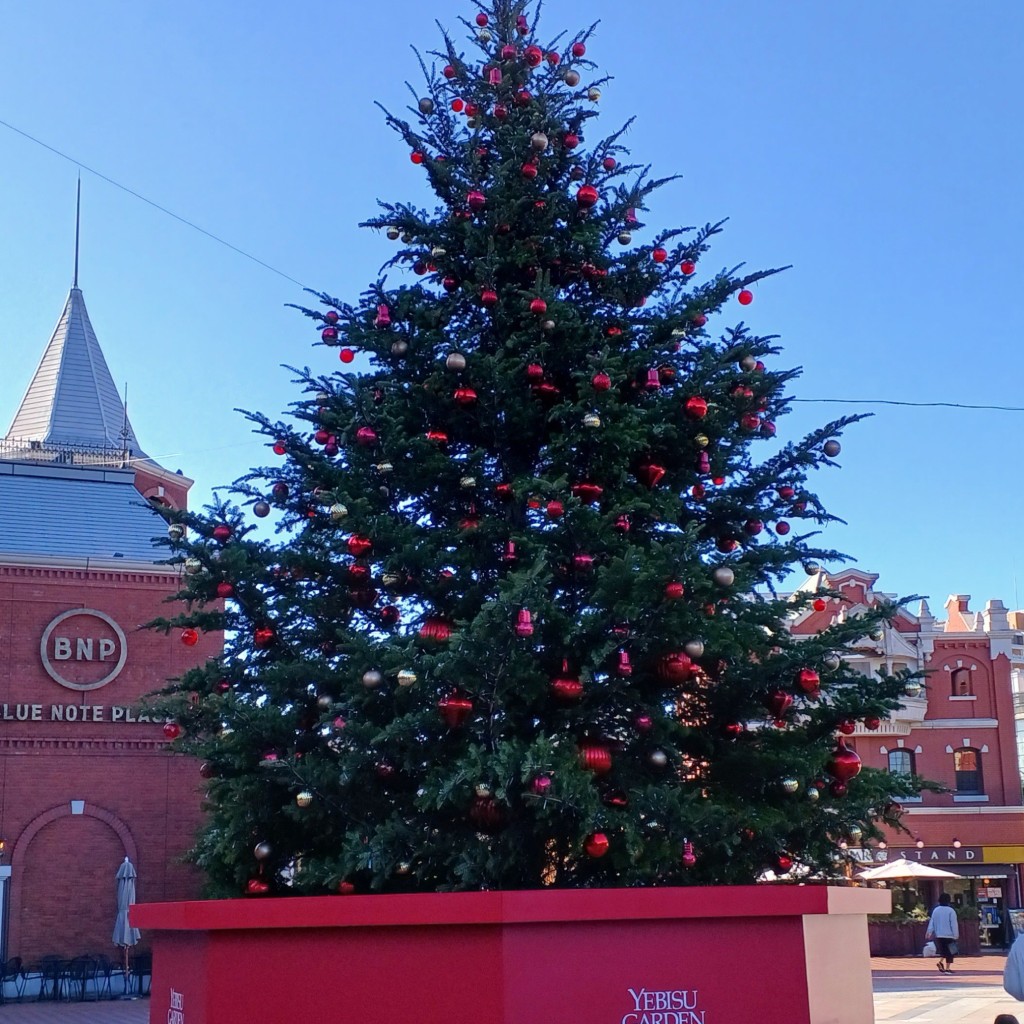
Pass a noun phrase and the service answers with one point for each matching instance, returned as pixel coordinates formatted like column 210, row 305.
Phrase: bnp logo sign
column 83, row 649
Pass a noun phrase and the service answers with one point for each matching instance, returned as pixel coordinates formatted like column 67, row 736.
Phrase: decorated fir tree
column 519, row 627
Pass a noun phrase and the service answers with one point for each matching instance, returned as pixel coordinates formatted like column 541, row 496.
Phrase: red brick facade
column 964, row 716
column 77, row 796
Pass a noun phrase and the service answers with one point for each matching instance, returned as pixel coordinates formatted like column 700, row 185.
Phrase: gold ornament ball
column 406, row 237
column 384, row 468
column 437, row 252
column 593, row 95
column 403, row 868
column 175, row 531
column 482, row 790
column 591, row 421
column 323, row 702
column 539, row 141
column 724, row 576
column 625, row 238
column 813, row 795
column 372, row 679
column 399, row 347
column 406, row 677
column 262, row 851
column 304, row 798
column 678, row 332
column 426, row 106
column 571, row 78
column 912, row 688
column 338, row 512
column 467, row 483
column 484, row 35
column 193, row 565
column 393, row 233
column 391, row 579
column 856, row 833
column 456, row 361
column 789, row 784
column 812, row 568
column 702, row 440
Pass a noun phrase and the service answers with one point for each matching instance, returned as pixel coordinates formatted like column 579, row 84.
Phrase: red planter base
column 730, row 955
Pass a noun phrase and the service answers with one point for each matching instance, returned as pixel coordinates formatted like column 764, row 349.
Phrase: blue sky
column 876, row 147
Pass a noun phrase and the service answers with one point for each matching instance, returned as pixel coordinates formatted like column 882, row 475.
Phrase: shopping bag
column 929, row 949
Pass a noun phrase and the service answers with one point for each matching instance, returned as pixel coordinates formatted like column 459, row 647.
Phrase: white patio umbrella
column 901, row 868
column 125, row 935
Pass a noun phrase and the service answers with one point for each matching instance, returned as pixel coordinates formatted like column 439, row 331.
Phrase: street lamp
column 957, row 844
column 919, row 844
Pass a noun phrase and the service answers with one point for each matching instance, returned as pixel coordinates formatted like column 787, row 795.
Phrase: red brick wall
column 139, row 798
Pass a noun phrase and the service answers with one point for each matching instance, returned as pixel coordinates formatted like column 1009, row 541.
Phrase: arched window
column 901, row 762
column 967, row 768
column 962, row 685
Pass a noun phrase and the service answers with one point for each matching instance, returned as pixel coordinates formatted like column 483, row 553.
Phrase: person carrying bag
column 945, row 929
column 1013, row 973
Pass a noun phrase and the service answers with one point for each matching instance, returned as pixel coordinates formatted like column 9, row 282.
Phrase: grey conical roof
column 72, row 399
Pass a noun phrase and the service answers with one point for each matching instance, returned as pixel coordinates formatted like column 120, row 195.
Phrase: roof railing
column 30, row 450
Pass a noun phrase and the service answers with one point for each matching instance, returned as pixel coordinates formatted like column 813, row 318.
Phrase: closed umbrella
column 901, row 868
column 125, row 935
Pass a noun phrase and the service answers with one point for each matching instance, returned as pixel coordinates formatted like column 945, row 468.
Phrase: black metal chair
column 76, row 976
column 142, row 972
column 105, row 968
column 50, row 973
column 12, row 974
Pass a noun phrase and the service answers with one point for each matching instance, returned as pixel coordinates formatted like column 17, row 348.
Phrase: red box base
column 730, row 955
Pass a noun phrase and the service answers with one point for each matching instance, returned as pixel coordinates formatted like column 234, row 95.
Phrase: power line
column 915, row 405
column 156, row 206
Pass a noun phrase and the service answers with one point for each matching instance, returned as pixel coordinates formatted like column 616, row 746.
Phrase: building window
column 901, row 762
column 962, row 682
column 967, row 766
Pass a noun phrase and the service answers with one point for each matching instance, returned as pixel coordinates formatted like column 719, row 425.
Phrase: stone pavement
column 908, row 990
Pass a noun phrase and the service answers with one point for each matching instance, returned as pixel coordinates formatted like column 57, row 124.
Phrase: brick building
column 84, row 782
column 959, row 731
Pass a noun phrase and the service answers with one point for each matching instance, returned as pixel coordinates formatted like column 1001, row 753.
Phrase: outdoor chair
column 142, row 972
column 105, row 968
column 50, row 973
column 76, row 977
column 12, row 974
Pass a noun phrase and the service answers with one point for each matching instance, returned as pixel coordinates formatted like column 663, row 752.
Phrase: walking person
column 944, row 928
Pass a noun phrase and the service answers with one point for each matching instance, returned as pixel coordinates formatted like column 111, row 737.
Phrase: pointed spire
column 78, row 220
column 72, row 400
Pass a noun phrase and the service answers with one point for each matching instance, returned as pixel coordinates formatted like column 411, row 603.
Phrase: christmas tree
column 519, row 626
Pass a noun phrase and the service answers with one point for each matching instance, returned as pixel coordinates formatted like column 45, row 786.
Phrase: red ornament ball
column 595, row 757
column 481, row 19
column 745, row 297
column 696, row 407
column 554, row 509
column 458, row 105
column 782, row 528
column 449, row 71
column 331, row 316
column 554, row 59
column 753, row 527
column 476, row 200
column 263, row 636
column 578, row 49
column 500, row 111
column 587, row 197
column 818, row 604
column 783, row 863
column 189, row 637
column 688, row 267
column 540, row 785
column 538, row 307
column 529, row 171
column 533, row 55
column 872, row 722
column 329, row 335
column 225, row 589
column 280, row 448
column 608, row 163
column 699, row 320
column 809, row 681
column 416, row 156
column 845, row 763
column 596, row 845
column 346, row 355
column 172, row 730
column 366, row 437
column 601, row 381
column 674, row 590
column 570, row 140
column 489, row 297
column 847, row 726
column 359, row 545
column 659, row 255
column 508, row 52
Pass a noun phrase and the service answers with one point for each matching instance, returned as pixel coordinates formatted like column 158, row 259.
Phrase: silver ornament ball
column 456, row 361
column 694, row 648
column 724, row 576
column 262, row 851
column 832, row 448
column 789, row 784
column 372, row 679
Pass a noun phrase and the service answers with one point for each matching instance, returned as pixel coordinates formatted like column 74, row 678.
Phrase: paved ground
column 908, row 990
